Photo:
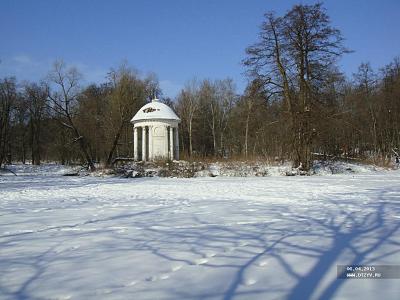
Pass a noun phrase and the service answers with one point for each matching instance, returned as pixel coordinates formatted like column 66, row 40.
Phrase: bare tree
column 36, row 97
column 249, row 98
column 8, row 95
column 188, row 105
column 293, row 55
column 210, row 107
column 128, row 94
column 366, row 81
column 226, row 99
column 19, row 132
column 64, row 101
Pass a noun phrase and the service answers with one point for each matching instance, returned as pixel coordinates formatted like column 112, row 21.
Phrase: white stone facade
column 155, row 132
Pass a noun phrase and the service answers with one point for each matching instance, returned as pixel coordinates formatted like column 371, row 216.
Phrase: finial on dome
column 155, row 99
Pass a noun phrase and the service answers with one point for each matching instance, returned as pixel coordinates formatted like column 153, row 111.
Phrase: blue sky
column 176, row 39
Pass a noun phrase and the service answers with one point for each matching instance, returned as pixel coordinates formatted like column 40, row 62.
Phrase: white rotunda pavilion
column 155, row 132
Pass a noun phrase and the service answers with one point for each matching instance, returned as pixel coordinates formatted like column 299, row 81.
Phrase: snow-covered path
column 200, row 238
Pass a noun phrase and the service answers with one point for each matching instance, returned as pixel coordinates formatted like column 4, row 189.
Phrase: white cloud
column 90, row 74
column 23, row 59
column 24, row 67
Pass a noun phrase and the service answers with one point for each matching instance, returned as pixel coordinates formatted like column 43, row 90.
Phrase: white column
column 176, row 143
column 166, row 142
column 144, row 143
column 135, row 144
column 171, row 143
column 150, row 142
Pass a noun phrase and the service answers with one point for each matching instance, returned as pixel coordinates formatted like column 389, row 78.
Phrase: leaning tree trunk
column 114, row 146
column 82, row 145
column 86, row 154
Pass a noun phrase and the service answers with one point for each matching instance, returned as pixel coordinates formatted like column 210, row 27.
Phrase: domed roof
column 155, row 110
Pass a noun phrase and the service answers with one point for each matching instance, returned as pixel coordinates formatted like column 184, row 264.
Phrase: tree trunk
column 190, row 138
column 82, row 146
column 246, row 136
column 114, row 146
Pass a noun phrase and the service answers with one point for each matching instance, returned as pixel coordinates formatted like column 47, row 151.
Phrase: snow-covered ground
column 198, row 238
column 50, row 169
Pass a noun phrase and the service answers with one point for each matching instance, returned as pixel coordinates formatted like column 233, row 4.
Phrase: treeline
column 297, row 104
column 58, row 120
column 357, row 117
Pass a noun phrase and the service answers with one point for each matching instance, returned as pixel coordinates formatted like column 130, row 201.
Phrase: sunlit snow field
column 200, row 238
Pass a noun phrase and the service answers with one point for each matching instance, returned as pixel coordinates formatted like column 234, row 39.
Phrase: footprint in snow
column 61, row 250
column 104, row 291
column 151, row 278
column 209, row 254
column 249, row 281
column 176, row 268
column 155, row 278
column 229, row 249
column 131, row 283
column 164, row 276
column 242, row 244
column 200, row 261
column 259, row 250
column 67, row 297
column 262, row 263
